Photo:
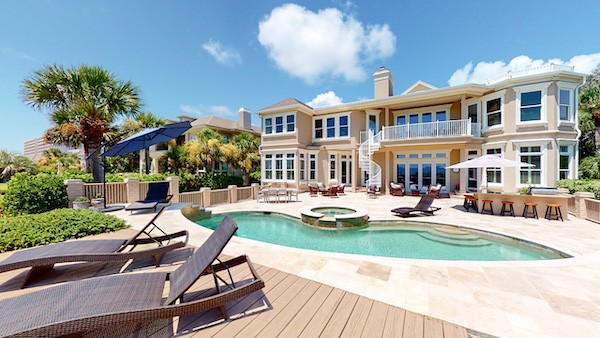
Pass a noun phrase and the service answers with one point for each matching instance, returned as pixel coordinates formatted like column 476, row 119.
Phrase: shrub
column 58, row 225
column 27, row 194
column 574, row 186
column 213, row 180
column 255, row 176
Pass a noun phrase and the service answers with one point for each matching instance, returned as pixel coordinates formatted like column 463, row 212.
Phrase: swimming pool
column 398, row 239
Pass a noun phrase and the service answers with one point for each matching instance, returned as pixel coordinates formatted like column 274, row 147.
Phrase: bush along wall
column 59, row 225
column 589, row 185
column 32, row 194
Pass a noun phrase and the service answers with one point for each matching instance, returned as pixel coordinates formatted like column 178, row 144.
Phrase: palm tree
column 83, row 102
column 207, row 149
column 12, row 163
column 175, row 158
column 143, row 121
column 53, row 156
column 247, row 157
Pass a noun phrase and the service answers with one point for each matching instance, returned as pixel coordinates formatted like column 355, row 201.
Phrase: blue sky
column 213, row 57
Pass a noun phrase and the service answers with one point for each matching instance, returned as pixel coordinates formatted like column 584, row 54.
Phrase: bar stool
column 470, row 202
column 533, row 212
column 491, row 211
column 505, row 210
column 553, row 215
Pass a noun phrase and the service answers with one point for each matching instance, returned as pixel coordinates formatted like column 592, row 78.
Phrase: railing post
column 232, row 193
column 469, row 131
column 132, row 188
column 255, row 187
column 174, row 187
column 580, row 208
column 205, row 197
column 74, row 189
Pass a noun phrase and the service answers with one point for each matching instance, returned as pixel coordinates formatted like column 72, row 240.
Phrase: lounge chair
column 331, row 192
column 314, row 190
column 396, row 189
column 340, row 189
column 424, row 207
column 42, row 258
column 110, row 305
column 435, row 190
column 372, row 191
column 158, row 192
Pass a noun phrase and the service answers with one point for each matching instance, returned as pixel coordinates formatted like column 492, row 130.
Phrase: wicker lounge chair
column 424, row 207
column 331, row 192
column 396, row 189
column 314, row 190
column 42, row 258
column 106, row 305
column 158, row 192
column 373, row 191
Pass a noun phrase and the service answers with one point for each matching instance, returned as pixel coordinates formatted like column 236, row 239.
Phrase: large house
column 227, row 127
column 528, row 116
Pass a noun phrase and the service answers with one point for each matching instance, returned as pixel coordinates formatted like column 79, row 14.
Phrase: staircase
column 365, row 161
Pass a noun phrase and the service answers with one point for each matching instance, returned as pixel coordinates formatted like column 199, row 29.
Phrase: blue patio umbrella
column 148, row 137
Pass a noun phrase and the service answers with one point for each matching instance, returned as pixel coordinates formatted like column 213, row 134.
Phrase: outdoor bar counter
column 520, row 200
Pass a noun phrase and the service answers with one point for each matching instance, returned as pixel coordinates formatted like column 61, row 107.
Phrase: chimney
column 384, row 83
column 244, row 118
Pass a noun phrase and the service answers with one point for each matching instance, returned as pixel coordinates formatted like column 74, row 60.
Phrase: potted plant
column 81, row 202
column 98, row 200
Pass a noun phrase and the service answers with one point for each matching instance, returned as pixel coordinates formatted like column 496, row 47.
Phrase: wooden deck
column 288, row 306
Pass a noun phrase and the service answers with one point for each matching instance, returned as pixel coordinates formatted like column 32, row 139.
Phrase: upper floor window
column 472, row 113
column 494, row 112
column 440, row 116
column 531, row 106
column 280, row 124
column 332, row 127
column 564, row 104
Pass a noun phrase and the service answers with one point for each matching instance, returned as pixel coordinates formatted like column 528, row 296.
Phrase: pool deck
column 553, row 298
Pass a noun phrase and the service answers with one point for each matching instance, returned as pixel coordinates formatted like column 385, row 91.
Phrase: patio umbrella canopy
column 489, row 161
column 148, row 137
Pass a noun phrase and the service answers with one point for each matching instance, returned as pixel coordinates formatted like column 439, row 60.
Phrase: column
column 255, row 187
column 74, row 190
column 174, row 187
column 132, row 188
column 205, row 197
column 232, row 193
column 463, row 172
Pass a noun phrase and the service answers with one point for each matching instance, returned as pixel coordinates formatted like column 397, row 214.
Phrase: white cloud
column 223, row 55
column 15, row 53
column 202, row 110
column 325, row 100
column 484, row 70
column 310, row 45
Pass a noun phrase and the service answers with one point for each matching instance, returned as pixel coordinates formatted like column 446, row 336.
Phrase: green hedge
column 589, row 185
column 27, row 231
column 213, row 180
column 33, row 194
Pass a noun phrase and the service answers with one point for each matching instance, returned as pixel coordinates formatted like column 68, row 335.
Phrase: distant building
column 34, row 149
column 228, row 128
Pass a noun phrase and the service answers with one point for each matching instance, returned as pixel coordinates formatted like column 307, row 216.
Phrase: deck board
column 376, row 323
column 394, row 322
column 357, row 320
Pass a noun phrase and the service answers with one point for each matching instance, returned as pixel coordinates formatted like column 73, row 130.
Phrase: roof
column 289, row 103
column 419, row 86
column 223, row 123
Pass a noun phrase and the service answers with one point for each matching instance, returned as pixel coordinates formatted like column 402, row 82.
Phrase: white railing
column 431, row 130
column 529, row 71
column 365, row 152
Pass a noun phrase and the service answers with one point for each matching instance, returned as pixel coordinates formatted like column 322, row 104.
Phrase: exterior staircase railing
column 365, row 158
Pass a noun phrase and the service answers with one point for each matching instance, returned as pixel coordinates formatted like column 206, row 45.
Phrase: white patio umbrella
column 489, row 161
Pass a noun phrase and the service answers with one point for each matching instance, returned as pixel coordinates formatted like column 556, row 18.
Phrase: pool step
column 455, row 241
column 453, row 233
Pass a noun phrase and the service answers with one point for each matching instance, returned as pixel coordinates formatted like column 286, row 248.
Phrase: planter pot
column 96, row 202
column 81, row 205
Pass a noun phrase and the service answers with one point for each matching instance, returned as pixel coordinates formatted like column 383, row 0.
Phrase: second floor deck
column 452, row 128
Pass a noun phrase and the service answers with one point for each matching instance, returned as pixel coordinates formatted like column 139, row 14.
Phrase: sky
column 201, row 58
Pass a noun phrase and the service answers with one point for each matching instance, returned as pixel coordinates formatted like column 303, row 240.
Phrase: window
column 279, row 124
column 564, row 163
column 440, row 173
column 413, row 172
column 291, row 123
column 440, row 155
column 494, row 175
column 472, row 112
column 426, row 117
column 401, row 173
column 302, row 168
column 268, row 125
column 268, row 167
column 331, row 167
column 564, row 104
column 413, row 156
column 319, row 128
column 401, row 156
column 162, row 146
column 494, row 112
column 312, row 172
column 289, row 167
column 426, row 174
column 531, row 106
column 426, row 155
column 400, row 120
column 440, row 116
column 531, row 155
column 330, row 127
column 278, row 166
column 343, row 126
column 225, row 139
column 414, row 118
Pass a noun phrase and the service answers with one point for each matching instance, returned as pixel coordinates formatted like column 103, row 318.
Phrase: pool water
column 331, row 211
column 400, row 240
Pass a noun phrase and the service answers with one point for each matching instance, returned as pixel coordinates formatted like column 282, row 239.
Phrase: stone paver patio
column 554, row 298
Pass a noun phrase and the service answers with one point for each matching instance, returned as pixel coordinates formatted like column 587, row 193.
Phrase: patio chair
column 43, row 258
column 340, row 189
column 331, row 192
column 158, row 192
column 424, row 207
column 321, row 187
column 112, row 305
column 313, row 190
column 396, row 189
column 372, row 191
column 292, row 193
column 262, row 194
column 282, row 193
column 435, row 190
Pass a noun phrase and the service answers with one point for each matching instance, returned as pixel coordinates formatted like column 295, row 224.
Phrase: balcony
column 436, row 129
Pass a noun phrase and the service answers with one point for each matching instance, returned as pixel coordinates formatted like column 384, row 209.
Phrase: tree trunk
column 94, row 164
column 246, row 179
column 147, row 160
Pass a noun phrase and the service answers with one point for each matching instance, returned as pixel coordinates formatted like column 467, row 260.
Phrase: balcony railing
column 431, row 130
